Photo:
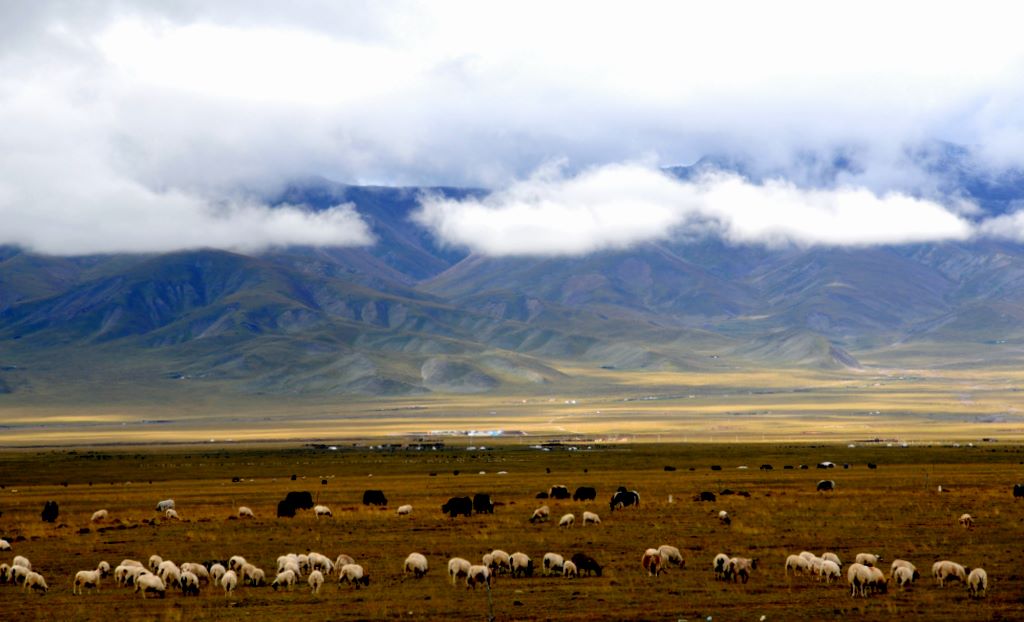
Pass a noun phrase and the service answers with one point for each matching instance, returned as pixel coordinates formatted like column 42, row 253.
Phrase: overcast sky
column 153, row 126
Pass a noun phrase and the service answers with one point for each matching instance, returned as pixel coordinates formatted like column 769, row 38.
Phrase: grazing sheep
column 320, row 562
column 478, row 575
column 189, row 583
column 652, row 562
column 285, row 578
column 458, row 567
column 147, row 582
column 857, row 576
column 416, row 564
column 163, row 506
column 499, row 562
column 966, row 521
column 541, row 514
column 84, row 579
column 977, row 583
column 217, row 572
column 35, row 581
column 103, row 568
column 197, row 569
column 354, row 575
column 18, row 574
column 522, row 565
column 721, row 564
column 552, row 563
column 902, row 563
column 590, row 518
column 236, row 562
column 322, row 510
column 798, row 564
column 403, row 510
column 229, row 582
column 741, row 567
column 21, row 561
column 569, row 570
column 315, row 580
column 830, row 571
column 154, row 562
column 723, row 518
column 946, row 570
column 832, row 557
column 4, row 545
column 341, row 560
column 868, row 559
column 131, row 562
column 166, row 569
column 245, row 512
column 5, row 573
column 903, row 576
column 98, row 516
column 671, row 555
column 567, row 521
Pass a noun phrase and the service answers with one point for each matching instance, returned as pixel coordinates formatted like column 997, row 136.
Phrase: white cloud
column 618, row 206
column 196, row 99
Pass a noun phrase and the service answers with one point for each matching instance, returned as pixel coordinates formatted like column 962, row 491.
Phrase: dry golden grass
column 894, row 510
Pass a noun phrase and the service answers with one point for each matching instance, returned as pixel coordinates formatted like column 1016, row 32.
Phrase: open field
column 894, row 510
column 738, row 405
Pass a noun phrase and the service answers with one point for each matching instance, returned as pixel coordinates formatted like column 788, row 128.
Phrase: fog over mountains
column 413, row 313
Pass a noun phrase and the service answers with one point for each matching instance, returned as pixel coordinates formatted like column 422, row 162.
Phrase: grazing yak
column 706, row 495
column 1018, row 491
column 458, row 505
column 374, row 497
column 585, row 493
column 558, row 492
column 294, row 501
column 624, row 498
column 586, row 564
column 482, row 503
column 50, row 511
column 826, row 485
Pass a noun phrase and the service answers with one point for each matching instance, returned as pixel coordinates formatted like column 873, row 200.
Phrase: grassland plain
column 894, row 510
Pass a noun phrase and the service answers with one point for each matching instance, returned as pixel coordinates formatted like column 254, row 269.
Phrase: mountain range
column 408, row 315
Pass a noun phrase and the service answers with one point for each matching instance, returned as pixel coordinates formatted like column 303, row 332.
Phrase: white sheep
column 166, row 504
column 18, row 574
column 172, row 514
column 217, row 572
column 251, row 575
column 458, row 567
column 168, row 571
column 322, row 510
column 721, row 565
column 478, row 575
column 84, row 579
column 131, row 562
column 315, row 580
column 567, row 520
column 966, row 521
column 832, row 557
column 5, row 573
column 99, row 516
column 104, row 569
column 868, row 559
column 652, row 562
column 521, row 564
column 798, row 564
column 416, row 564
column 285, row 578
column 741, row 567
column 830, row 571
column 541, row 514
column 945, row 570
column 320, row 562
column 189, row 583
column 902, row 563
column 198, row 570
column 35, row 581
column 590, row 518
column 342, row 560
column 303, row 560
column 723, row 517
column 229, row 582
column 20, row 560
column 154, row 562
column 553, row 563
column 4, row 545
column 809, row 556
column 245, row 512
column 977, row 583
column 569, row 570
column 671, row 555
column 863, row 578
column 500, row 561
column 147, row 582
column 404, row 510
column 354, row 575
column 236, row 562
column 902, row 576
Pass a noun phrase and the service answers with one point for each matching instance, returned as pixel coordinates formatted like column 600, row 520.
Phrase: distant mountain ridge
column 408, row 315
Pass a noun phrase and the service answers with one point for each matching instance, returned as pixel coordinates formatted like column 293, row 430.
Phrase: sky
column 157, row 126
